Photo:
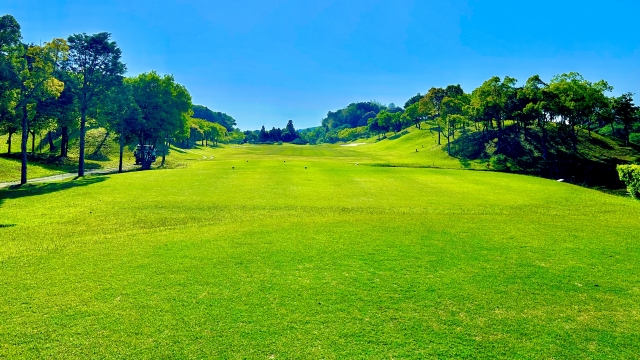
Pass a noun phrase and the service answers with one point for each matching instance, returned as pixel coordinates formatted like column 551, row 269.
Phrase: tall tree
column 34, row 69
column 431, row 104
column 263, row 136
column 121, row 115
column 626, row 112
column 289, row 133
column 10, row 44
column 450, row 117
column 94, row 66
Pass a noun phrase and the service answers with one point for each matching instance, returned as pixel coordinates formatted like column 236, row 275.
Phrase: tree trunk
column 64, row 141
column 33, row 142
column 544, row 141
column 627, row 135
column 121, row 152
column 23, row 145
column 83, row 125
column 164, row 150
column 52, row 147
column 9, row 142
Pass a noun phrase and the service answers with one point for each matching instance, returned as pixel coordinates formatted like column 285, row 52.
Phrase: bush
column 630, row 174
column 499, row 163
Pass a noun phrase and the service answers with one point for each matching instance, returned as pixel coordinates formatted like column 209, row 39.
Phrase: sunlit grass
column 245, row 253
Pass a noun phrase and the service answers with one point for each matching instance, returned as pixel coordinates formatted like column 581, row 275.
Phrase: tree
column 67, row 117
column 289, row 133
column 351, row 116
column 450, row 117
column 374, row 127
column 577, row 100
column 263, row 137
column 385, row 120
column 412, row 100
column 121, row 115
column 412, row 114
column 235, row 137
column 626, row 112
column 33, row 70
column 9, row 44
column 203, row 112
column 430, row 105
column 164, row 106
column 94, row 67
column 488, row 102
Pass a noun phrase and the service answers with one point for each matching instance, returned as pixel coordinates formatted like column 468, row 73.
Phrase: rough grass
column 272, row 260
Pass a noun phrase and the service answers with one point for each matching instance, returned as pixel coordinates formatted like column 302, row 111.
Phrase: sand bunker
column 354, row 144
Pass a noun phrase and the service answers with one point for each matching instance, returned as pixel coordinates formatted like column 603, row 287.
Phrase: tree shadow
column 32, row 189
column 51, row 162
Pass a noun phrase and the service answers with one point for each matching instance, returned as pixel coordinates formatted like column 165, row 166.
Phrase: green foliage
column 351, row 134
column 630, row 174
column 354, row 115
column 203, row 112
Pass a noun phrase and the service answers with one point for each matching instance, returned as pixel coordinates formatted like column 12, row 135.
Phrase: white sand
column 354, row 144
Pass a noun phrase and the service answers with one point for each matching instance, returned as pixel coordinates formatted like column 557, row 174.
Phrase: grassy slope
column 10, row 166
column 335, row 261
column 99, row 155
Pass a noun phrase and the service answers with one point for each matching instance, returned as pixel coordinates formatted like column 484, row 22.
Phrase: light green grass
column 99, row 155
column 334, row 261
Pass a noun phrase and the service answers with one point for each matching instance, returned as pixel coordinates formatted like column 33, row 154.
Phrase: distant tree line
column 275, row 135
column 65, row 85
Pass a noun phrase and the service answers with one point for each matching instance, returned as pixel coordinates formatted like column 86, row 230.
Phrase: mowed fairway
column 272, row 260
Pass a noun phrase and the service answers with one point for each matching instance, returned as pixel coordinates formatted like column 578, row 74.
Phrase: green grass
column 101, row 153
column 334, row 261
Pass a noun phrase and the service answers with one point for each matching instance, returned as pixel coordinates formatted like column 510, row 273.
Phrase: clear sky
column 264, row 62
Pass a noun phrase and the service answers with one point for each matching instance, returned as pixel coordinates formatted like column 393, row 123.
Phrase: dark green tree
column 626, row 112
column 94, row 67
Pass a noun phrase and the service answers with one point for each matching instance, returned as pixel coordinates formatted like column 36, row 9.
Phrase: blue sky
column 264, row 62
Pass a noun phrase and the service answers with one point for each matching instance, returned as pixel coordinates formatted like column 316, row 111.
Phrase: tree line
column 63, row 84
column 567, row 100
column 275, row 135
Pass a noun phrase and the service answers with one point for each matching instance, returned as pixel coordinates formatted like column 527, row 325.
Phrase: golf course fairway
column 312, row 252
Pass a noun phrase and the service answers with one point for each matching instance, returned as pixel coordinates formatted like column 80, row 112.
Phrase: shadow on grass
column 52, row 162
column 20, row 191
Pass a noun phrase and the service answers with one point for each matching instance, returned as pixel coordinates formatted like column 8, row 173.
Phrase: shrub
column 499, row 163
column 630, row 174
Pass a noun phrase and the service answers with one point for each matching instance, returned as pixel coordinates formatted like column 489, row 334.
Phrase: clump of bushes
column 503, row 163
column 630, row 174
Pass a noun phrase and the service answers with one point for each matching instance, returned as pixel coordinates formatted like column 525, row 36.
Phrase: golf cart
column 147, row 152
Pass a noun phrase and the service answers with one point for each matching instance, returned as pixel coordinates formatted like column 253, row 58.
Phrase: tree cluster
column 287, row 134
column 62, row 86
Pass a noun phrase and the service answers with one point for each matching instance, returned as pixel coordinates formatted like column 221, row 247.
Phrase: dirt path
column 67, row 176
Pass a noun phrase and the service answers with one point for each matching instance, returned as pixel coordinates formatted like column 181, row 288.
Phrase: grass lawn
column 272, row 260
